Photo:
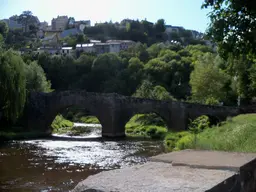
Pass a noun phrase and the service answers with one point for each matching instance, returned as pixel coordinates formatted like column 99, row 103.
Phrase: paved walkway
column 182, row 171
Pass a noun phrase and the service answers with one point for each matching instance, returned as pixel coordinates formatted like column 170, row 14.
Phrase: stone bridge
column 114, row 111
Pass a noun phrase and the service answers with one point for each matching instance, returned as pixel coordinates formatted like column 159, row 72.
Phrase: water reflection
column 55, row 165
column 103, row 155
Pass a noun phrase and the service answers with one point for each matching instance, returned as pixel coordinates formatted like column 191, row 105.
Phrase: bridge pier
column 178, row 121
column 112, row 123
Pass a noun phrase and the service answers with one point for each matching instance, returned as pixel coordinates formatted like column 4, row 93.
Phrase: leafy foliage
column 208, row 80
column 199, row 124
column 147, row 90
column 3, row 29
column 12, row 85
column 16, row 79
column 233, row 25
column 36, row 79
column 237, row 135
column 61, row 122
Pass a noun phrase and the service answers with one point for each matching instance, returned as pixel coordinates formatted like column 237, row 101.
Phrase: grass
column 75, row 115
column 146, row 125
column 72, row 131
column 236, row 134
column 61, row 122
column 89, row 120
column 61, row 125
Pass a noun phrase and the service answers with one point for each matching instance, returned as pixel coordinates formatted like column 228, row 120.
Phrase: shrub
column 211, row 101
column 199, row 124
column 89, row 119
column 60, row 122
column 185, row 142
column 170, row 140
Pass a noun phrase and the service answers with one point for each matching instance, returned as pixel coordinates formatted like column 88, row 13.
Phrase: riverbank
column 8, row 136
column 234, row 134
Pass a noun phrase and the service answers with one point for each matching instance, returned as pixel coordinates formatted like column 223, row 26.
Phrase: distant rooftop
column 70, row 32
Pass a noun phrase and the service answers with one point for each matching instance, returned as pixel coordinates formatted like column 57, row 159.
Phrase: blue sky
column 186, row 13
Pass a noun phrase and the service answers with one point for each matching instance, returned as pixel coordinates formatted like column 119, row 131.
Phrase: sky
column 186, row 13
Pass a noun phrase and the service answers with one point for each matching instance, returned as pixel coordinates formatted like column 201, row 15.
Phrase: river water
column 60, row 162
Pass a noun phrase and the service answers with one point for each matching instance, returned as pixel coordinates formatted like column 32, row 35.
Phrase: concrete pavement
column 181, row 171
column 206, row 159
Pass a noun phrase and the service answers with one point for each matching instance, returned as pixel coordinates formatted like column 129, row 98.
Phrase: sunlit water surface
column 58, row 165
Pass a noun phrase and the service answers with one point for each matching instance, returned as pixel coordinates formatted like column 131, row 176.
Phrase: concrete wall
column 244, row 181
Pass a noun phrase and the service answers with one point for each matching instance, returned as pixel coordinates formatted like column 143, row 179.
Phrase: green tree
column 12, row 85
column 80, row 38
column 208, row 80
column 160, row 26
column 3, row 29
column 158, row 71
column 241, row 68
column 233, row 25
column 36, row 79
column 28, row 20
column 1, row 42
column 147, row 90
column 161, row 93
column 105, row 68
column 154, row 50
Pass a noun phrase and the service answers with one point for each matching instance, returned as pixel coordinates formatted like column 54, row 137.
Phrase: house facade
column 87, row 47
column 50, row 50
column 43, row 25
column 173, row 29
column 51, row 41
column 67, row 51
column 196, row 34
column 60, row 23
column 101, row 48
column 124, row 44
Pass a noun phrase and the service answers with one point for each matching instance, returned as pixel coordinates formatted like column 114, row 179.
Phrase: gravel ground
column 154, row 177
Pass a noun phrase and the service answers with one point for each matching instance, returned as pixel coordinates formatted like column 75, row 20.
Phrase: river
column 60, row 162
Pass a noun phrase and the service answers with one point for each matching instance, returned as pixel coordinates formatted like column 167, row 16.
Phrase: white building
column 95, row 41
column 173, row 29
column 50, row 50
column 124, row 44
column 114, row 47
column 82, row 24
column 87, row 47
column 67, row 50
column 43, row 25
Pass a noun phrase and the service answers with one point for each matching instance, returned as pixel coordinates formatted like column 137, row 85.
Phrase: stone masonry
column 114, row 111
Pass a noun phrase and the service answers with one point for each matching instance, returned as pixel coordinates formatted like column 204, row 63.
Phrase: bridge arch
column 114, row 111
column 43, row 108
column 144, row 124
